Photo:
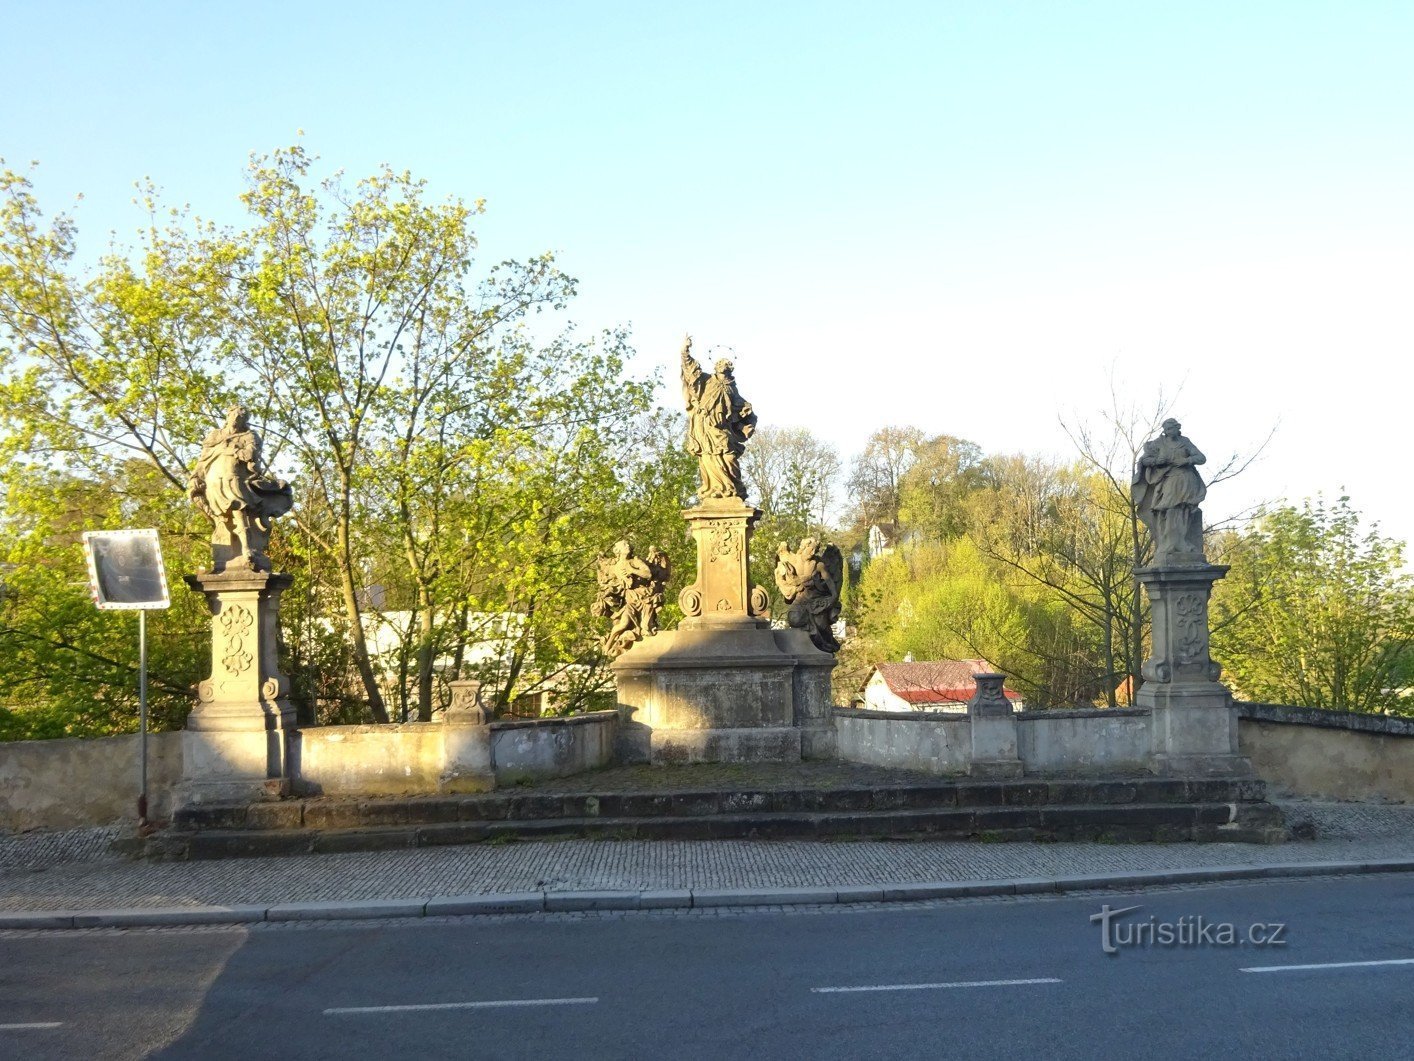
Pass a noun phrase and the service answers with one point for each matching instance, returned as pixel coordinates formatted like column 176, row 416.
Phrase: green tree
column 69, row 669
column 1316, row 611
column 934, row 490
column 876, row 476
column 448, row 459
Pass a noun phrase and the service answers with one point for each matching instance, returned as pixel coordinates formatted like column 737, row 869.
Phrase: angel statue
column 631, row 592
column 810, row 579
column 231, row 488
column 718, row 424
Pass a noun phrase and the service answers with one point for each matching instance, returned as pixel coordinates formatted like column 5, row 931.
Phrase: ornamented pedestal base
column 1194, row 720
column 240, row 741
column 721, row 694
column 723, row 686
column 993, row 726
column 467, row 742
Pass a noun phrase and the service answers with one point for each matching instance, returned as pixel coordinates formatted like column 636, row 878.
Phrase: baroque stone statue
column 230, row 487
column 810, row 580
column 718, row 424
column 1167, row 492
column 631, row 593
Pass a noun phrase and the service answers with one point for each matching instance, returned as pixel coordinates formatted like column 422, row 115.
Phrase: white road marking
column 933, row 987
column 31, row 1027
column 493, row 1004
column 1326, row 965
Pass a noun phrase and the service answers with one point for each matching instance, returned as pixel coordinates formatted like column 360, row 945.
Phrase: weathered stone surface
column 630, row 594
column 722, row 594
column 365, row 840
column 229, row 485
column 810, row 579
column 1167, row 492
column 372, row 760
column 1329, row 754
column 551, row 747
column 993, row 723
column 1142, row 808
column 719, row 422
column 58, row 784
column 935, row 743
column 812, row 697
column 240, row 734
column 719, row 745
column 1194, row 722
column 1096, row 742
column 699, row 690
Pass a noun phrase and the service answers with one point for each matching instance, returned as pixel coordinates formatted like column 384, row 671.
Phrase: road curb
column 669, row 899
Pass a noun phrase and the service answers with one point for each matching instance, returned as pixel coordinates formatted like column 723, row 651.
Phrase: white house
column 934, row 685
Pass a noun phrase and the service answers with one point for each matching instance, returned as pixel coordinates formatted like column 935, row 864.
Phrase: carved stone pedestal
column 993, row 730
column 719, row 688
column 240, row 741
column 467, row 738
column 722, row 594
column 1194, row 720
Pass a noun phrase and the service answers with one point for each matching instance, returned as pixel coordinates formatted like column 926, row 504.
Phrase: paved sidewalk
column 73, row 870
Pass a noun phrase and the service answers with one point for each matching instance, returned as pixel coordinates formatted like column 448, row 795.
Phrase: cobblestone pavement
column 73, row 869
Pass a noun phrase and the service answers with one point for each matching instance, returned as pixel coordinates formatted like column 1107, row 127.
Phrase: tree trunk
column 425, row 657
column 355, row 618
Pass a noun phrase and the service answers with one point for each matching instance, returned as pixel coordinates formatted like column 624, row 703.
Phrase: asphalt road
column 1023, row 978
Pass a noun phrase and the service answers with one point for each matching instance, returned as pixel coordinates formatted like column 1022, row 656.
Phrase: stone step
column 1115, row 822
column 320, row 813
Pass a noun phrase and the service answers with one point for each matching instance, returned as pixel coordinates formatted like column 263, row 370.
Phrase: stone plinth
column 467, row 764
column 719, row 688
column 711, row 694
column 994, row 749
column 239, row 741
column 1194, row 720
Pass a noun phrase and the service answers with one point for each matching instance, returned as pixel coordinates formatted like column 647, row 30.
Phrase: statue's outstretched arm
column 692, row 374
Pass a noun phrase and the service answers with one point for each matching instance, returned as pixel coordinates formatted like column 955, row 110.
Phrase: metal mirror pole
column 142, row 709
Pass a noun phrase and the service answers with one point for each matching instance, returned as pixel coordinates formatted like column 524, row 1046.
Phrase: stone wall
column 372, row 760
column 1305, row 751
column 58, row 784
column 932, row 742
column 1089, row 741
column 416, row 757
column 61, row 784
column 552, row 747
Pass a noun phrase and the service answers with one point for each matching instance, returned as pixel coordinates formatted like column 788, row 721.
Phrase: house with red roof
column 934, row 685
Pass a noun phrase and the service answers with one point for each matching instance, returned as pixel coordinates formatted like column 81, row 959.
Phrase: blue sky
column 966, row 216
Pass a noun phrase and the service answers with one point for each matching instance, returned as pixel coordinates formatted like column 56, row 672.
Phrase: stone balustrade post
column 467, row 742
column 993, row 724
